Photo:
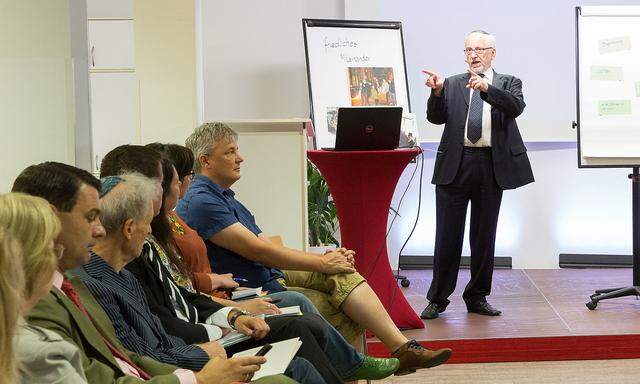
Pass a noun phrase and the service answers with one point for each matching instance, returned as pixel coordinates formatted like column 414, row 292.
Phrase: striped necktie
column 474, row 124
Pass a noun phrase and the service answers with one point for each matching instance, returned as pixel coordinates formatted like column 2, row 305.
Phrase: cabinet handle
column 93, row 57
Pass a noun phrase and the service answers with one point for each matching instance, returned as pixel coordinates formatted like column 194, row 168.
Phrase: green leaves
column 323, row 221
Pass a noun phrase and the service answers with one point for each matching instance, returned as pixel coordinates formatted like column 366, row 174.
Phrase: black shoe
column 432, row 310
column 483, row 308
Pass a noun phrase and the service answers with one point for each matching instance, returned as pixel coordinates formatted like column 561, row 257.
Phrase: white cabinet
column 113, row 9
column 115, row 89
column 114, row 112
column 111, row 44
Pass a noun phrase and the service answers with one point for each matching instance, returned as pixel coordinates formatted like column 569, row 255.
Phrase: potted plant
column 323, row 221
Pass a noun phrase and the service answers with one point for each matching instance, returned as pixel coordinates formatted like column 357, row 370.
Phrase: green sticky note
column 638, row 88
column 599, row 72
column 614, row 107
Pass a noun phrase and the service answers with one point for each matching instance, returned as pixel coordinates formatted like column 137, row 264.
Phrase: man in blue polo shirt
column 235, row 244
column 223, row 211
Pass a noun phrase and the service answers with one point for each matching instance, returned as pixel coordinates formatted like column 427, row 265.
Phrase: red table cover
column 362, row 184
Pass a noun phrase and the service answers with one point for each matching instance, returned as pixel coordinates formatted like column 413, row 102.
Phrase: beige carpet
column 552, row 372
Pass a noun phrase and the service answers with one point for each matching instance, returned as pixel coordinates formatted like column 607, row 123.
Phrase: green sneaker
column 374, row 368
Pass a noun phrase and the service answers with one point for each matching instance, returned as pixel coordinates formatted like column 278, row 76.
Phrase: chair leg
column 404, row 281
column 600, row 291
column 605, row 294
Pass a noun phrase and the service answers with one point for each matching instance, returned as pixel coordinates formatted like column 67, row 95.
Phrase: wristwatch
column 235, row 313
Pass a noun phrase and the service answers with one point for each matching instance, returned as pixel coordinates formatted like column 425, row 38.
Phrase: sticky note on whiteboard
column 638, row 88
column 605, row 73
column 614, row 107
column 614, row 44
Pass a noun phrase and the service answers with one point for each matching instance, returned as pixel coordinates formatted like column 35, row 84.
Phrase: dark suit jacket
column 124, row 301
column 57, row 313
column 161, row 304
column 510, row 162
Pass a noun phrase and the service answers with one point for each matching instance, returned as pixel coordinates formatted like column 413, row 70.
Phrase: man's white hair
column 489, row 37
column 130, row 199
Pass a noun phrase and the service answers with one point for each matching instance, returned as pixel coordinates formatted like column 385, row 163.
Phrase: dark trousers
column 474, row 183
column 311, row 330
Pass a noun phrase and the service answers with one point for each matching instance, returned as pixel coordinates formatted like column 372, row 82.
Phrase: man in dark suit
column 481, row 153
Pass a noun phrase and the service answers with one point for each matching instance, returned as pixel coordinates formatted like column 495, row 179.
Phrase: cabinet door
column 111, row 44
column 110, row 9
column 114, row 112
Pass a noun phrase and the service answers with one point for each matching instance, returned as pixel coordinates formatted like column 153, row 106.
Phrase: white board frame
column 595, row 11
column 321, row 127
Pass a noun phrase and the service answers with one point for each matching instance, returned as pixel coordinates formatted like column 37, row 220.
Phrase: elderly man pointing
column 481, row 153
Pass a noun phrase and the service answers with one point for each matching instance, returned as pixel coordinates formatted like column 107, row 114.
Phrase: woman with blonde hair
column 43, row 355
column 11, row 283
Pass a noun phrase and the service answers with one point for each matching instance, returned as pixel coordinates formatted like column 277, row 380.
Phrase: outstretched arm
column 436, row 106
column 239, row 239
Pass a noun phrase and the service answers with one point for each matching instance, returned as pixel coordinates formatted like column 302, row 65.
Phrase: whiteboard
column 352, row 63
column 608, row 85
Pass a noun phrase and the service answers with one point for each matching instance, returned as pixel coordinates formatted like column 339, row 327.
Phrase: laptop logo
column 368, row 129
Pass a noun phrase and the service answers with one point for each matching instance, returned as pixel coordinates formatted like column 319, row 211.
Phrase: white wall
column 253, row 56
column 565, row 210
column 258, row 72
column 165, row 57
column 37, row 105
column 535, row 41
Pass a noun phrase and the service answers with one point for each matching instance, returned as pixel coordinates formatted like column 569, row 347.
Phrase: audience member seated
column 348, row 362
column 43, row 355
column 178, row 236
column 11, row 283
column 235, row 244
column 126, row 214
column 72, row 312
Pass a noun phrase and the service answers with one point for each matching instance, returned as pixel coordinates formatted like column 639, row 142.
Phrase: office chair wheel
column 405, row 282
column 592, row 305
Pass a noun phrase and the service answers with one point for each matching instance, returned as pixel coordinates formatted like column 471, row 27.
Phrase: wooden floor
column 535, row 303
column 548, row 372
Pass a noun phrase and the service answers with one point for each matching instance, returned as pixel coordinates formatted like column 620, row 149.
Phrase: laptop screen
column 368, row 128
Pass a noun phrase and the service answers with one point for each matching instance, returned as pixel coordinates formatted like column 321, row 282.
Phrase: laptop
column 368, row 128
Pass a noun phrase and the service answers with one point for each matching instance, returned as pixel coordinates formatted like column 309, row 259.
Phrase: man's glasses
column 479, row 51
column 58, row 250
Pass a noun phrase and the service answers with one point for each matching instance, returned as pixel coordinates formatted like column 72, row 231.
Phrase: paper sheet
column 604, row 73
column 614, row 107
column 293, row 310
column 231, row 338
column 278, row 358
column 246, row 292
column 614, row 44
